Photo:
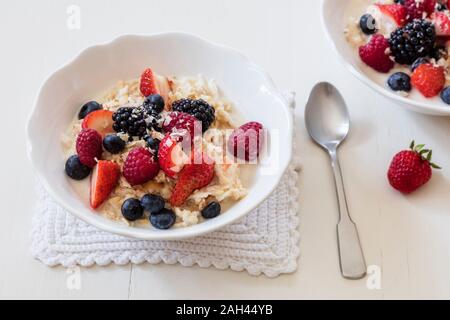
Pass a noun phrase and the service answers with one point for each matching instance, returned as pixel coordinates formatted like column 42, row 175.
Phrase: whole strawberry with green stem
column 411, row 169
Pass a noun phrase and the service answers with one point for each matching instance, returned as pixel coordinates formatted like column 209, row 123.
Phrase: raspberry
column 418, row 9
column 89, row 147
column 180, row 121
column 245, row 142
column 375, row 54
column 140, row 166
column 428, row 79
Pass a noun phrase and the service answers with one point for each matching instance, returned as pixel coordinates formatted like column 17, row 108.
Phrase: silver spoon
column 328, row 123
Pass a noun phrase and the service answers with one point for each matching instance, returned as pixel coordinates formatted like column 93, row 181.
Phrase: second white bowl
column 335, row 17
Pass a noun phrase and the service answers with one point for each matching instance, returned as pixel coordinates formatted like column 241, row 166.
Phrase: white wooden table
column 408, row 238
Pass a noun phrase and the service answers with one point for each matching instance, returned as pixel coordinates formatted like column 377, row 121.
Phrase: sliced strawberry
column 101, row 121
column 171, row 156
column 148, row 83
column 103, row 181
column 193, row 176
column 152, row 83
column 441, row 22
column 394, row 12
column 163, row 88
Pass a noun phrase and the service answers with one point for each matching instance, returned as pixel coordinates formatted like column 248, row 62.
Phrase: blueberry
column 153, row 144
column 76, row 170
column 132, row 210
column 441, row 7
column 367, row 24
column 157, row 101
column 212, row 210
column 402, row 2
column 152, row 203
column 89, row 107
column 445, row 95
column 400, row 81
column 113, row 144
column 418, row 62
column 163, row 219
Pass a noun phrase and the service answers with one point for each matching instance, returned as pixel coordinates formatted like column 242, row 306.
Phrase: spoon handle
column 351, row 256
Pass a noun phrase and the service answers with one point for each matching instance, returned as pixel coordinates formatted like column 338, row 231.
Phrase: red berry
column 376, row 54
column 430, row 5
column 171, row 156
column 148, row 83
column 180, row 121
column 104, row 179
column 417, row 9
column 441, row 22
column 411, row 169
column 428, row 79
column 192, row 177
column 100, row 120
column 140, row 166
column 246, row 141
column 396, row 12
column 89, row 147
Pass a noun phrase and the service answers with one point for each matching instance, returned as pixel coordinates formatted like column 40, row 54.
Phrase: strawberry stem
column 435, row 166
column 425, row 154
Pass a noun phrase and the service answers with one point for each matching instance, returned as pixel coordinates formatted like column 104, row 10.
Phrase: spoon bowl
column 327, row 118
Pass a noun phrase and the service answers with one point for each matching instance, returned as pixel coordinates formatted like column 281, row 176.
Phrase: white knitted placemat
column 266, row 241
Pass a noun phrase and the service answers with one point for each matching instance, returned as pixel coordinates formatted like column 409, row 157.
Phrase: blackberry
column 153, row 117
column 198, row 108
column 136, row 121
column 439, row 52
column 413, row 41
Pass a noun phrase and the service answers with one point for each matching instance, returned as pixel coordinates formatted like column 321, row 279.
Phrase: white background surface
column 407, row 237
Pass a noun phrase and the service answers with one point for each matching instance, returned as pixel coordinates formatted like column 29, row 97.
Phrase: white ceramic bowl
column 99, row 67
column 335, row 17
